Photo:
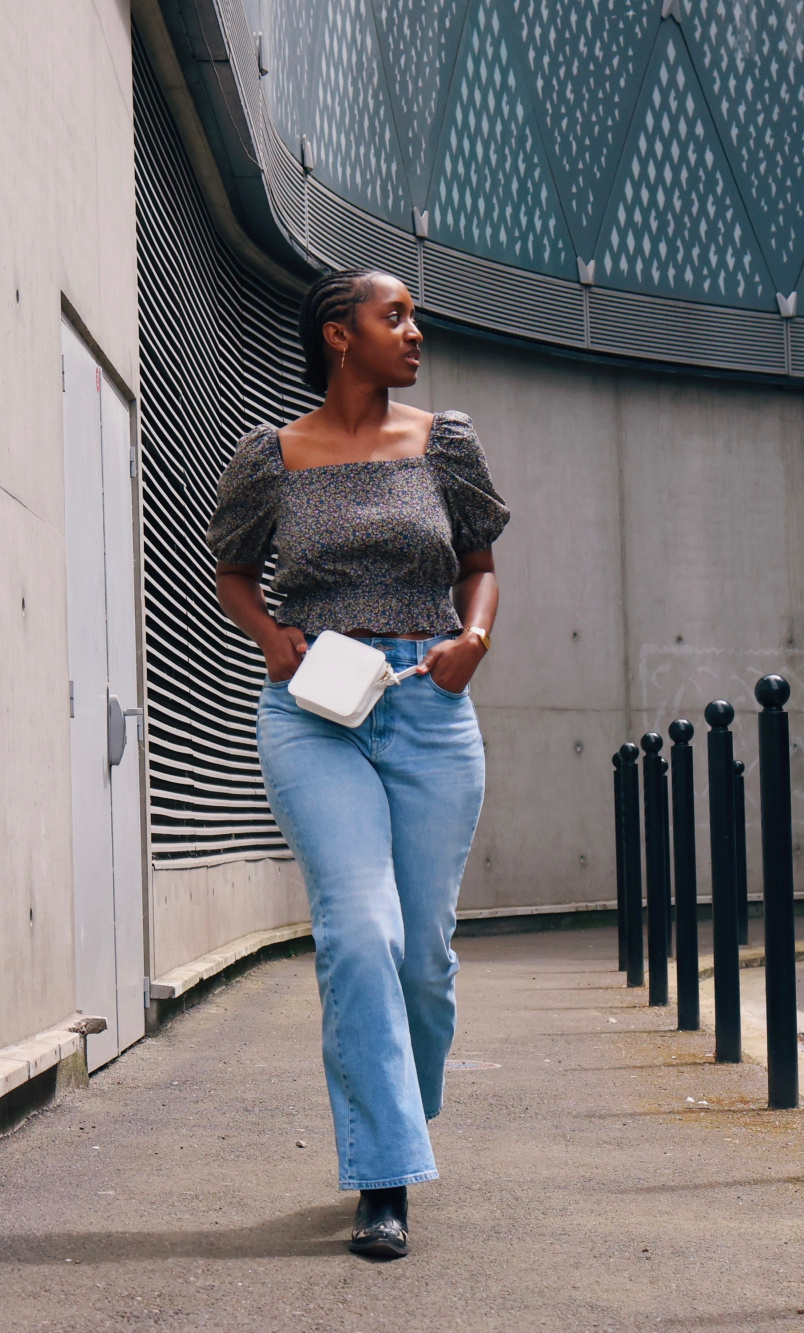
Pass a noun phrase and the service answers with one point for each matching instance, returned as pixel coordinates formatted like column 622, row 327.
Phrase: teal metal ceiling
column 669, row 150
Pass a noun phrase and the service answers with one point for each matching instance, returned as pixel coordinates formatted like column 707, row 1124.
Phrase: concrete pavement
column 598, row 1172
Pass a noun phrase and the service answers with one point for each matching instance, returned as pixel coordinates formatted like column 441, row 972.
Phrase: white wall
column 66, row 227
column 654, row 561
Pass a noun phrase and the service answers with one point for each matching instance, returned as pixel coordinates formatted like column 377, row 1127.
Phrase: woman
column 376, row 511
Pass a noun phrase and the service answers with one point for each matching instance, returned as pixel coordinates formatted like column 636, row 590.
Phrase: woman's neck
column 351, row 409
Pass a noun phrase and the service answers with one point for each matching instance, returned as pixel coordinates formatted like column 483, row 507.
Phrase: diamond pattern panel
column 675, row 225
column 351, row 122
column 492, row 192
column 290, row 30
column 419, row 40
column 586, row 59
column 750, row 54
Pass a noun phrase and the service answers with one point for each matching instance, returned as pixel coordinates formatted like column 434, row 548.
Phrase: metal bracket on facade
column 307, row 159
column 586, row 277
column 671, row 9
column 259, row 46
column 308, row 162
column 421, row 224
column 421, row 230
column 787, row 305
column 586, row 273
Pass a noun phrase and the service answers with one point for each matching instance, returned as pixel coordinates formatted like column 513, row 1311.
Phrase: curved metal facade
column 535, row 133
column 619, row 178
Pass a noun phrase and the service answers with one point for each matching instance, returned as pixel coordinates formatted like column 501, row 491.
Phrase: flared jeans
column 380, row 820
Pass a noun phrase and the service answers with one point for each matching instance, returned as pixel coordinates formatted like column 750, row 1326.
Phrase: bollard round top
column 681, row 731
column 719, row 714
column 772, row 691
column 629, row 752
column 665, row 765
column 651, row 742
column 739, row 767
column 616, row 759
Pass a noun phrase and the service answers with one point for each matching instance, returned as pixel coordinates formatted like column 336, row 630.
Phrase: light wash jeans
column 380, row 819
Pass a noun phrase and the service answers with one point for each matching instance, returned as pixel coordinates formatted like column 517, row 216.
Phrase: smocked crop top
column 371, row 545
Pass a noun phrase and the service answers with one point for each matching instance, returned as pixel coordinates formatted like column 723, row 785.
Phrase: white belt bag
column 342, row 679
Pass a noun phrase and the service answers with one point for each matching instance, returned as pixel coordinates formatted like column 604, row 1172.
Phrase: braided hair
column 333, row 297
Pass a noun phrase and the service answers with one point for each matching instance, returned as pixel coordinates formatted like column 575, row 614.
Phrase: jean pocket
column 275, row 684
column 447, row 694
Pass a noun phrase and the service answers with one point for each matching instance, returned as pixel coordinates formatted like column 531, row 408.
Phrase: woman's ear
column 335, row 336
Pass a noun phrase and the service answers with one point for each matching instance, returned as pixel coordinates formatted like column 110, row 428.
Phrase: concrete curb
column 35, row 1071
column 26, row 1059
column 753, row 1034
column 176, row 983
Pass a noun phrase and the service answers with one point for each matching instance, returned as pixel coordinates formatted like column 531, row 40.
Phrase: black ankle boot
column 381, row 1224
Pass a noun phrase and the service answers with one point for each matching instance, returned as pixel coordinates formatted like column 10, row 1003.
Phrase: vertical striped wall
column 218, row 354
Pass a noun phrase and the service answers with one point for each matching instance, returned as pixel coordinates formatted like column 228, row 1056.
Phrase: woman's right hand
column 283, row 650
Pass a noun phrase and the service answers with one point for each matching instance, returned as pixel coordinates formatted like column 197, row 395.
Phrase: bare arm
column 241, row 597
column 476, row 594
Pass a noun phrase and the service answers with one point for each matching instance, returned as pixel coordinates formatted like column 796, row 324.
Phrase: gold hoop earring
column 343, row 358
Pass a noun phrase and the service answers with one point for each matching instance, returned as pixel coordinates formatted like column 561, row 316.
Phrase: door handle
column 117, row 731
column 139, row 714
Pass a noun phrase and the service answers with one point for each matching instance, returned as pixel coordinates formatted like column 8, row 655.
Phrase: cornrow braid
column 333, row 297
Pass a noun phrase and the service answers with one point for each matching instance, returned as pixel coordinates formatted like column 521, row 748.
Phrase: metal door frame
column 71, row 317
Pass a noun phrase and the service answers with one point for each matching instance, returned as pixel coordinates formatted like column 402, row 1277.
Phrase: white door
column 101, row 633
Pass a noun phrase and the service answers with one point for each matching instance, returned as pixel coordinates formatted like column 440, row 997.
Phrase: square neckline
column 360, row 462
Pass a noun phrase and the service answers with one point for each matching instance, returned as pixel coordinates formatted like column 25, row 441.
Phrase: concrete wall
column 66, row 228
column 197, row 910
column 654, row 561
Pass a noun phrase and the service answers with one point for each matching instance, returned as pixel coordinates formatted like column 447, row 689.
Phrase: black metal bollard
column 739, row 851
column 655, row 868
column 689, row 1013
column 622, row 952
column 632, row 864
column 720, row 714
column 772, row 692
column 668, row 882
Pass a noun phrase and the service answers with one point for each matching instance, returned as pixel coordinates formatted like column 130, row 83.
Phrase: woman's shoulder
column 255, row 465
column 453, row 418
column 478, row 513
column 453, row 438
column 257, row 453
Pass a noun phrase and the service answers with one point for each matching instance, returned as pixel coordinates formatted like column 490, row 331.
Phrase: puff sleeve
column 477, row 512
column 248, row 492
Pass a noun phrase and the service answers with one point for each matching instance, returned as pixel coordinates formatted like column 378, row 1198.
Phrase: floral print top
column 368, row 545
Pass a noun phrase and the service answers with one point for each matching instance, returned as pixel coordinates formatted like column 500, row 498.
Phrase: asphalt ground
column 598, row 1171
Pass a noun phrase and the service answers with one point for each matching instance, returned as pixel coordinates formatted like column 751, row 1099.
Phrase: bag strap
column 396, row 677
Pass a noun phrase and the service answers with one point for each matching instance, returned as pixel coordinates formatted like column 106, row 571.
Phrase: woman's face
column 383, row 341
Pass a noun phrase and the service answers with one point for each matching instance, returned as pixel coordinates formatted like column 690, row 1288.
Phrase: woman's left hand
column 453, row 662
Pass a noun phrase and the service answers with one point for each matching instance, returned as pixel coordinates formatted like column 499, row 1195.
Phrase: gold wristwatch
column 482, row 634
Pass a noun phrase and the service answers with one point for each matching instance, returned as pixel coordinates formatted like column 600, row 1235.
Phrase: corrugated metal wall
column 218, row 354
